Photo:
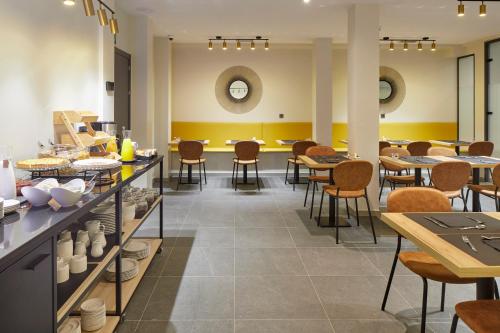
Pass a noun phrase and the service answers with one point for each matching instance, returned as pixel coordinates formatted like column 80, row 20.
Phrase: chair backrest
column 441, row 151
column 353, row 175
column 450, row 176
column 496, row 175
column 320, row 151
column 190, row 150
column 389, row 152
column 417, row 199
column 419, row 148
column 300, row 147
column 382, row 145
column 481, row 148
column 246, row 150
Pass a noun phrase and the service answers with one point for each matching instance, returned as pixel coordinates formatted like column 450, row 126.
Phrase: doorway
column 492, row 85
column 123, row 67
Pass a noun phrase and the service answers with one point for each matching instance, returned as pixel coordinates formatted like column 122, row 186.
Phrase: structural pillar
column 322, row 91
column 363, row 61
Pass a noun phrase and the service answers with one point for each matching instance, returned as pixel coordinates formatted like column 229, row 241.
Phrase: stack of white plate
column 10, row 205
column 70, row 326
column 136, row 249
column 93, row 312
column 130, row 268
column 106, row 214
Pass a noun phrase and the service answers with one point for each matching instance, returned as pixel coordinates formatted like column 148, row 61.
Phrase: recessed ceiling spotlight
column 69, row 2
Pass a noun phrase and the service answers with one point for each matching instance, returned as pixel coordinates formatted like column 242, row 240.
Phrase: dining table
column 428, row 162
column 327, row 163
column 468, row 244
column 456, row 144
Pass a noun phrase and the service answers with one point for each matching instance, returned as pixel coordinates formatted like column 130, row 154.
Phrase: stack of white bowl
column 72, row 325
column 136, row 249
column 93, row 314
column 130, row 269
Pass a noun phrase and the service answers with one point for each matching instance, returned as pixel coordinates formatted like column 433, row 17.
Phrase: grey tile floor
column 253, row 262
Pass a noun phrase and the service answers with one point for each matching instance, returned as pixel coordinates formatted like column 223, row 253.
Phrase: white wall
column 285, row 72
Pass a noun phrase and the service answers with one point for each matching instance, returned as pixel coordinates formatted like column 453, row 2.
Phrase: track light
column 224, row 46
column 405, row 46
column 88, row 5
column 266, row 45
column 461, row 9
column 252, row 45
column 103, row 17
column 391, row 46
column 433, row 46
column 419, row 46
column 238, row 45
column 482, row 9
column 113, row 25
column 210, row 46
column 69, row 2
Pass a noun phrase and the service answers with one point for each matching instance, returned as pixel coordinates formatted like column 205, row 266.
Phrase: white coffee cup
column 97, row 249
column 65, row 248
column 78, row 264
column 1, row 208
column 80, row 248
column 65, row 235
column 92, row 226
column 83, row 236
column 100, row 237
column 62, row 272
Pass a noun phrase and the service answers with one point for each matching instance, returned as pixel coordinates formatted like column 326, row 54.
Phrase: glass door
column 493, row 94
column 465, row 117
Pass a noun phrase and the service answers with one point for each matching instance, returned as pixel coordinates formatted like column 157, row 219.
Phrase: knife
column 436, row 222
column 468, row 242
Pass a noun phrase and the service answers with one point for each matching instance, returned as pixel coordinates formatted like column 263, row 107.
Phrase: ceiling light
column 88, row 5
column 307, row 1
column 461, row 9
column 266, row 45
column 224, row 46
column 238, row 45
column 69, row 2
column 113, row 25
column 419, row 47
column 210, row 46
column 252, row 45
column 103, row 18
column 405, row 46
column 482, row 9
column 433, row 46
column 391, row 46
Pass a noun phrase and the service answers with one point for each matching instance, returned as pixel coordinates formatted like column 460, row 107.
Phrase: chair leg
column 307, row 192
column 257, row 175
column 337, row 220
column 391, row 275
column 371, row 219
column 293, row 185
column 497, row 203
column 199, row 173
column 497, row 296
column 357, row 212
column 454, row 324
column 381, row 189
column 347, row 208
column 463, row 200
column 205, row 172
column 286, row 175
column 443, row 295
column 236, row 177
column 180, row 176
column 312, row 200
column 424, row 306
column 320, row 207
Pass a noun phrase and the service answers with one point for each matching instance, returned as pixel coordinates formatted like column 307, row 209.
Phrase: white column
column 322, row 91
column 363, row 91
column 163, row 118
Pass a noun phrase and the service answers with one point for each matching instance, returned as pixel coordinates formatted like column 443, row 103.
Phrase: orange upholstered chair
column 298, row 148
column 191, row 154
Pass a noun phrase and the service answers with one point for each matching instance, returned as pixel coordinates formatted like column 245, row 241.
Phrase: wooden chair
column 315, row 179
column 420, row 199
column 298, row 148
column 396, row 178
column 382, row 145
column 246, row 154
column 481, row 148
column 441, row 151
column 481, row 316
column 191, row 154
column 451, row 178
column 489, row 190
column 351, row 179
column 419, row 148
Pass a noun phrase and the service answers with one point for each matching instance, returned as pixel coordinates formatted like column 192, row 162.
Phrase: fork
column 478, row 227
column 467, row 241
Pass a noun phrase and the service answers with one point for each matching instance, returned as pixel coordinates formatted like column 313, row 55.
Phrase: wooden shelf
column 106, row 290
column 111, row 324
column 129, row 228
column 73, row 299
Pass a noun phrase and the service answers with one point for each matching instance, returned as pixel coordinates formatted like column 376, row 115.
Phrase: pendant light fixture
column 238, row 45
column 103, row 17
column 461, row 9
column 406, row 42
column 69, row 2
column 391, row 46
column 224, row 45
column 433, row 46
column 210, row 45
column 252, row 45
column 88, row 6
column 419, row 46
column 239, row 41
column 482, row 9
column 266, row 45
column 113, row 25
column 405, row 46
column 482, row 6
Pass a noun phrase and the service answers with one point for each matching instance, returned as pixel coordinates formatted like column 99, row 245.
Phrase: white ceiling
column 294, row 21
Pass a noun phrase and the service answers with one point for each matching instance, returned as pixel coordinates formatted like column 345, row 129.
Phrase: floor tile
column 200, row 261
column 260, row 220
column 193, row 236
column 198, row 326
column 268, row 262
column 263, row 238
column 141, row 297
column 283, row 326
column 373, row 326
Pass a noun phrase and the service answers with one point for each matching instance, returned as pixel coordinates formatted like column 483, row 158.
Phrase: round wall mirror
column 238, row 90
column 385, row 90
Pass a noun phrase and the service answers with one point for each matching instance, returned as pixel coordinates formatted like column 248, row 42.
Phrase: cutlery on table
column 436, row 222
column 478, row 227
column 466, row 240
column 475, row 220
column 489, row 237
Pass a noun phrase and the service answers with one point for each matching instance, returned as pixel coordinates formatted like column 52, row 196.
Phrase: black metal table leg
column 296, row 170
column 476, row 206
column 332, row 207
column 485, row 288
column 190, row 173
column 418, row 176
column 118, row 259
column 457, row 150
column 245, row 174
column 161, row 203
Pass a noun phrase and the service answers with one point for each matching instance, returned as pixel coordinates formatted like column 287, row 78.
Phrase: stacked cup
column 93, row 314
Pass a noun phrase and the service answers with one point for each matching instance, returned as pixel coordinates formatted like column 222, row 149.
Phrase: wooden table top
column 451, row 143
column 232, row 143
column 416, row 164
column 453, row 258
column 393, row 142
column 286, row 142
column 176, row 142
column 310, row 163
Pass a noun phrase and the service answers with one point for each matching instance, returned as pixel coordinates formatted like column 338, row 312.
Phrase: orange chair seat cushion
column 401, row 179
column 332, row 191
column 201, row 160
column 426, row 266
column 481, row 316
column 319, row 179
column 292, row 160
column 488, row 190
column 235, row 160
